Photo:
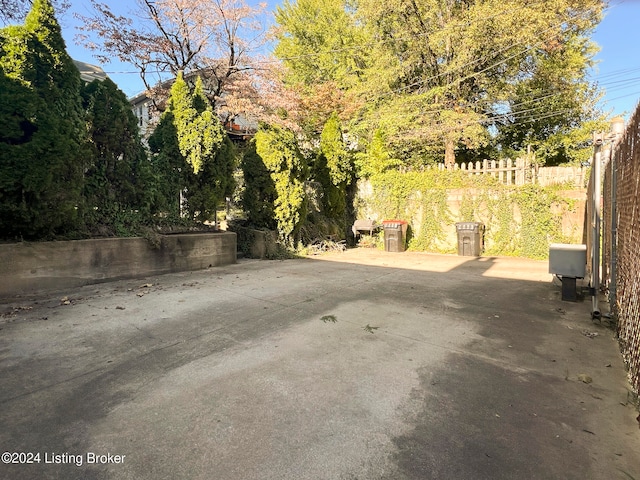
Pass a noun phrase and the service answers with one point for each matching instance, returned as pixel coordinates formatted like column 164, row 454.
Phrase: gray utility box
column 395, row 232
column 568, row 262
column 470, row 238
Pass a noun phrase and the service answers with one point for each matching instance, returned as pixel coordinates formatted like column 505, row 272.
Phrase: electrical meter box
column 567, row 260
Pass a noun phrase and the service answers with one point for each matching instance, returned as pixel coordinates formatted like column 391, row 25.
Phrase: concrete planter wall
column 30, row 267
column 257, row 243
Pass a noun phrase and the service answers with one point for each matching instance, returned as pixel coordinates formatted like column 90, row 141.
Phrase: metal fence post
column 595, row 247
column 617, row 130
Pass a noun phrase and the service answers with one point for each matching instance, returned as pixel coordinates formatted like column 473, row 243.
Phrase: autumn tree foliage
column 43, row 135
column 439, row 78
column 325, row 53
column 218, row 39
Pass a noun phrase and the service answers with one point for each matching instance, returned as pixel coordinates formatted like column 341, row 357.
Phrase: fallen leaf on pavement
column 585, row 378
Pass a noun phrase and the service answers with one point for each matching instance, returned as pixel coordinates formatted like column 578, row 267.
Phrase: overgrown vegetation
column 72, row 163
column 288, row 170
column 519, row 220
column 71, row 160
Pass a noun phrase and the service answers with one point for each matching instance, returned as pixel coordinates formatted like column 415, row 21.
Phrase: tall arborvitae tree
column 41, row 169
column 204, row 152
column 13, row 11
column 279, row 151
column 117, row 172
column 337, row 164
column 168, row 167
column 259, row 193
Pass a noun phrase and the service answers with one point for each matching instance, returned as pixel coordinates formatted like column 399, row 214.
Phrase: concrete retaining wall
column 257, row 243
column 31, row 267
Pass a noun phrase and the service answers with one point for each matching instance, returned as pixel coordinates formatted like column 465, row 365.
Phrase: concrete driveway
column 360, row 365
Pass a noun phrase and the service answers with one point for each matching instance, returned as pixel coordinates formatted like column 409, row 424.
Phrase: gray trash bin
column 470, row 236
column 395, row 232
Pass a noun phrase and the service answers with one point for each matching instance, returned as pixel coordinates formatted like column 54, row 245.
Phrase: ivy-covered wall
column 519, row 220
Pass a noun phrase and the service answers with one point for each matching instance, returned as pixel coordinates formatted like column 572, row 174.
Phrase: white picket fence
column 521, row 172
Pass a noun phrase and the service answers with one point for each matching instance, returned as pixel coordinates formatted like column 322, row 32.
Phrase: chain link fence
column 621, row 242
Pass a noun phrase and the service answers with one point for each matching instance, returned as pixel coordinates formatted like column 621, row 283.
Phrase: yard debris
column 369, row 328
column 119, row 307
column 65, row 301
column 589, row 334
column 584, row 378
column 146, row 285
column 329, row 318
column 140, row 294
column 14, row 311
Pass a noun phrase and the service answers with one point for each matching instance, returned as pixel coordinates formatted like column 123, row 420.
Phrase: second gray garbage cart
column 470, row 238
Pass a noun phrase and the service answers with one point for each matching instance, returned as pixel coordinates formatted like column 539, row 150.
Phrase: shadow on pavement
column 363, row 365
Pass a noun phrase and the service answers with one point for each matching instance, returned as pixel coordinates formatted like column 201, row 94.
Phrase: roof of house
column 89, row 72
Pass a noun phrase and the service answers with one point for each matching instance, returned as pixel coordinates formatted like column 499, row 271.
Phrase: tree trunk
column 449, row 153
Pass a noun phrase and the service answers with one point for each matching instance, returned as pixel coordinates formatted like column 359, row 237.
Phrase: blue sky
column 617, row 70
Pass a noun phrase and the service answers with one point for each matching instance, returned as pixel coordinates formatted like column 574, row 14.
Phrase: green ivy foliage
column 519, row 221
column 288, row 170
column 540, row 225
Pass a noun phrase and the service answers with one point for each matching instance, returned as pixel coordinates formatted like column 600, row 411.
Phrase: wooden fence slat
column 520, row 172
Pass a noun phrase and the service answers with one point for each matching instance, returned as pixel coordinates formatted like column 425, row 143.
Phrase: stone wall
column 27, row 268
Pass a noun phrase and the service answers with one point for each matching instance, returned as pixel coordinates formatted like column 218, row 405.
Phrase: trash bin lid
column 393, row 224
column 472, row 226
column 394, row 221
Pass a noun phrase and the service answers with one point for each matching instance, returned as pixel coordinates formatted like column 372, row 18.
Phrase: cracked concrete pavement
column 356, row 365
